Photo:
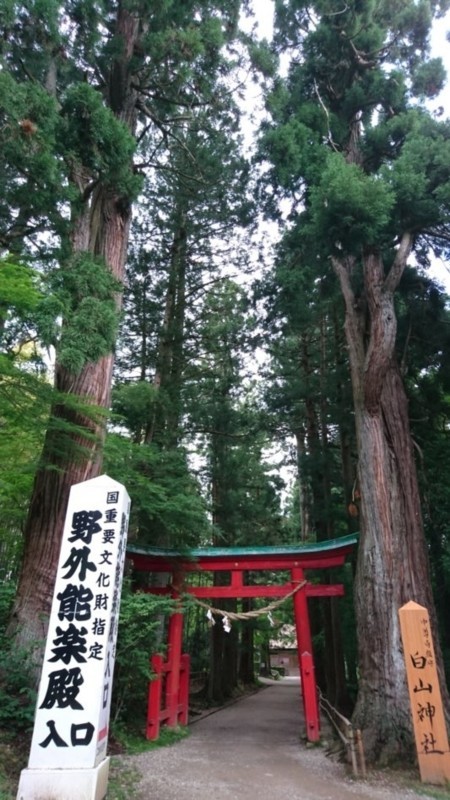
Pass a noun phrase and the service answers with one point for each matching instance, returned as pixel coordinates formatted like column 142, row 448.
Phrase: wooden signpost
column 425, row 695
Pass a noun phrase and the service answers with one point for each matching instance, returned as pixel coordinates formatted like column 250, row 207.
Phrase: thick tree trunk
column 392, row 565
column 164, row 424
column 68, row 457
column 392, row 569
column 223, row 673
column 304, row 493
column 102, row 228
column 346, row 430
column 247, row 649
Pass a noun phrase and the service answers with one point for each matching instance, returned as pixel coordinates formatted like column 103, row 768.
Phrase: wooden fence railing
column 349, row 736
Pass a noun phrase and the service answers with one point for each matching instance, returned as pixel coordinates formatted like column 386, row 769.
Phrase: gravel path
column 251, row 750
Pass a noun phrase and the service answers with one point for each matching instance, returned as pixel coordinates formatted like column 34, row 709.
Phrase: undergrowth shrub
column 17, row 690
column 141, row 625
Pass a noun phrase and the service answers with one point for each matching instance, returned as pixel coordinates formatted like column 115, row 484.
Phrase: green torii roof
column 205, row 552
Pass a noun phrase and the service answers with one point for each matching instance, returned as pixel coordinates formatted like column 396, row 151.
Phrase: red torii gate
column 236, row 561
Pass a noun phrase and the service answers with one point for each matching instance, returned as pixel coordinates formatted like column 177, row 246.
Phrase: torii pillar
column 305, row 658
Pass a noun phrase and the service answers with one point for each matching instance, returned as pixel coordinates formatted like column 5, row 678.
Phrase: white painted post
column 68, row 750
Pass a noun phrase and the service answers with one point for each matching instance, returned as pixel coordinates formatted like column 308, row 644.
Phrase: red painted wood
column 281, row 590
column 154, row 698
column 183, row 704
column 176, row 669
column 308, row 561
column 237, row 579
column 306, row 662
column 324, row 590
column 173, row 673
column 157, row 715
column 310, row 700
column 243, row 591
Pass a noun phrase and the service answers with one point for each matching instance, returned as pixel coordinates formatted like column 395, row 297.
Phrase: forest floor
column 252, row 750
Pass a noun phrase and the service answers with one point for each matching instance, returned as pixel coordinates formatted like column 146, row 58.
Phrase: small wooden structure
column 237, row 561
column 283, row 651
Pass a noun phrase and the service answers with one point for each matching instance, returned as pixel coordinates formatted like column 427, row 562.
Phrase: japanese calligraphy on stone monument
column 71, row 726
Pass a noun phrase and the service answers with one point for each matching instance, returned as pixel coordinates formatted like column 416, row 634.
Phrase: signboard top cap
column 412, row 606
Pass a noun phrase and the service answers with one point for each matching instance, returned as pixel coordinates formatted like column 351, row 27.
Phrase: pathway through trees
column 251, row 750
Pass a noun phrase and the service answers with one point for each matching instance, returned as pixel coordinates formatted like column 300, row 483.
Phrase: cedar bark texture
column 101, row 227
column 392, row 566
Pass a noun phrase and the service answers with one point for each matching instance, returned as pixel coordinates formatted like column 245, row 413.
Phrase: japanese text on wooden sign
column 425, row 694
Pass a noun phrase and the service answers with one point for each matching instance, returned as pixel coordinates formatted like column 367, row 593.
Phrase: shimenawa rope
column 257, row 612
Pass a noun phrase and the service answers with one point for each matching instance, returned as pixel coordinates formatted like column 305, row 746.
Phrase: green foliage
column 244, row 495
column 386, row 168
column 19, row 288
column 141, row 618
column 429, row 78
column 133, row 743
column 28, row 137
column 122, row 781
column 94, row 137
column 288, row 148
column 349, row 208
column 17, row 692
column 136, row 403
column 24, row 405
column 83, row 297
column 7, row 590
column 21, row 292
column 167, row 508
column 262, row 58
column 420, row 174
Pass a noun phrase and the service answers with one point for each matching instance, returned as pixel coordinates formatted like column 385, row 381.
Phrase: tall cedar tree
column 200, row 200
column 369, row 170
column 308, row 392
column 243, row 496
column 176, row 254
column 83, row 86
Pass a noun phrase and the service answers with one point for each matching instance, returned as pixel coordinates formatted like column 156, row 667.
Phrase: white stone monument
column 68, row 750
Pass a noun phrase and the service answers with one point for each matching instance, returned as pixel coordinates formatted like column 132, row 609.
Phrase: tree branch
column 396, row 271
column 329, row 137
